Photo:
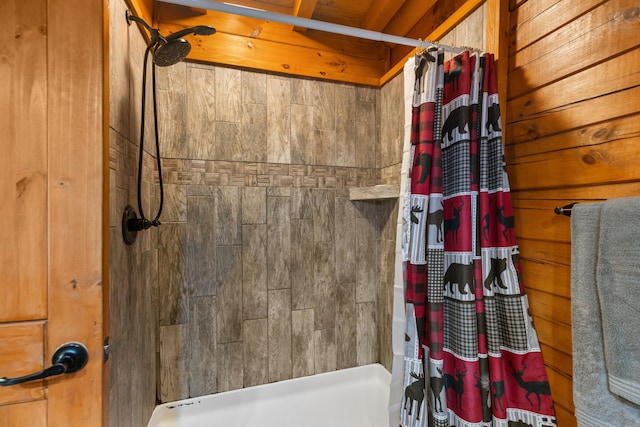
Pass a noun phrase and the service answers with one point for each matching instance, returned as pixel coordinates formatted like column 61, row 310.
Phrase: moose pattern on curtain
column 472, row 357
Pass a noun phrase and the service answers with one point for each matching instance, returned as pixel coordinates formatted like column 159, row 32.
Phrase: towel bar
column 565, row 210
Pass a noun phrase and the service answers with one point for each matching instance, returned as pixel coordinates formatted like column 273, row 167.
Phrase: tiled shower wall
column 263, row 269
column 267, row 271
column 133, row 270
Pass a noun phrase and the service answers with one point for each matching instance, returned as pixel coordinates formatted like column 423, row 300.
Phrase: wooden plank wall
column 573, row 134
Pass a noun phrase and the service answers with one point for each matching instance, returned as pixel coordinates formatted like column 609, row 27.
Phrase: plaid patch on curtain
column 472, row 356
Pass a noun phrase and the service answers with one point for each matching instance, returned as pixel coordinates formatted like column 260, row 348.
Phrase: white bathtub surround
column 355, row 397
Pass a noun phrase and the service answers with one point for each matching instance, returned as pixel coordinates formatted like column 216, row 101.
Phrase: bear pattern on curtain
column 472, row 357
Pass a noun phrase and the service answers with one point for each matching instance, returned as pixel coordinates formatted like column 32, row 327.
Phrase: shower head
column 172, row 49
column 171, row 52
column 198, row 30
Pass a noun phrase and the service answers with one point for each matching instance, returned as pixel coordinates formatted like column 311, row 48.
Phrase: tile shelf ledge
column 374, row 192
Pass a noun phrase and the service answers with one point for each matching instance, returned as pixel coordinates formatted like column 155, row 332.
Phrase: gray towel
column 595, row 406
column 618, row 279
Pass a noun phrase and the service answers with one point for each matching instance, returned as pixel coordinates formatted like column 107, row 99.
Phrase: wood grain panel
column 202, row 365
column 75, row 124
column 553, row 334
column 546, row 252
column 576, row 115
column 22, row 353
column 23, row 165
column 537, row 19
column 561, row 195
column 573, row 88
column 561, row 388
column 256, row 352
column 549, row 306
column 541, row 224
column 599, row 133
column 611, row 76
column 607, row 163
column 242, row 51
column 173, row 382
column 564, row 416
column 596, row 36
column 32, row 414
column 551, row 278
column 303, row 362
column 553, row 358
column 173, row 18
column 279, row 330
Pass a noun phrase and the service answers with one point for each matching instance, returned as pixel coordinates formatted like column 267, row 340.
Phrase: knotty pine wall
column 573, row 134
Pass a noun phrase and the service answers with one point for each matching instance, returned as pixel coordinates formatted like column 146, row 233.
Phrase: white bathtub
column 355, row 397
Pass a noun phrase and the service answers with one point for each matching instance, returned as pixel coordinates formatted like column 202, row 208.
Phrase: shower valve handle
column 137, row 224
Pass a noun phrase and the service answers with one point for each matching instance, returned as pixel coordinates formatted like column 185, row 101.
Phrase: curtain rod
column 309, row 23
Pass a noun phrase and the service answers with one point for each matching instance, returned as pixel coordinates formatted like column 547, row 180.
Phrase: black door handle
column 68, row 358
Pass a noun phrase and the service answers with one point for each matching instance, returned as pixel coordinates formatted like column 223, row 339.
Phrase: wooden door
column 51, row 207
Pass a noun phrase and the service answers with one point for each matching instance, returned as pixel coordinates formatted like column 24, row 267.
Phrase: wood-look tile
column 302, row 264
column 324, row 112
column 203, row 368
column 254, row 271
column 119, row 113
column 278, row 120
column 228, row 216
column 366, row 94
column 174, row 357
column 367, row 260
column 324, row 147
column 346, row 344
column 302, row 134
column 302, row 343
column 229, row 285
column 147, row 334
column 201, row 249
column 367, row 336
column 345, row 144
column 172, row 291
column 172, row 106
column 278, row 242
column 120, row 285
column 301, row 203
column 323, row 215
column 278, row 192
column 254, row 133
column 303, row 91
column 228, row 141
column 230, row 366
column 366, row 135
column 254, row 87
column 174, row 207
column 392, row 121
column 228, row 85
column 324, row 285
column 201, row 112
column 325, row 350
column 280, row 363
column 345, row 240
column 254, row 205
column 256, row 352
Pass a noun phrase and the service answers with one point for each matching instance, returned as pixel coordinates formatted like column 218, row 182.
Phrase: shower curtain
column 471, row 355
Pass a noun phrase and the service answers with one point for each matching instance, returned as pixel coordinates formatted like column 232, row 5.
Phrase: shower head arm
column 156, row 37
column 131, row 17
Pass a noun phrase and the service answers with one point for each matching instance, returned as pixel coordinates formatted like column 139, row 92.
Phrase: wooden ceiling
column 271, row 46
